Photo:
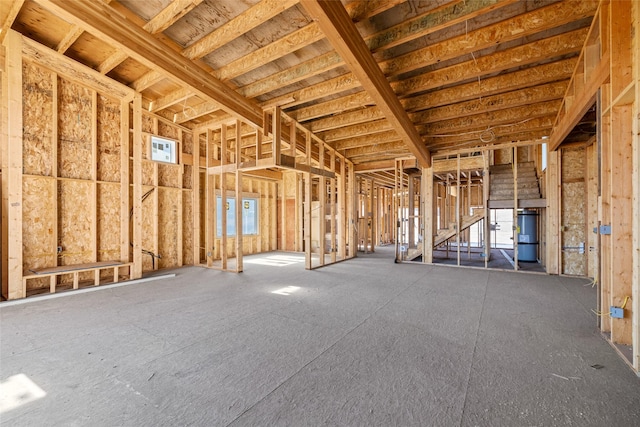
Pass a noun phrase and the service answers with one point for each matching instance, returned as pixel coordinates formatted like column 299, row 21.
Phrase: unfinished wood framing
column 324, row 128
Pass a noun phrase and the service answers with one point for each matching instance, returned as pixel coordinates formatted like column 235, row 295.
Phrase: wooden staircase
column 465, row 222
column 501, row 179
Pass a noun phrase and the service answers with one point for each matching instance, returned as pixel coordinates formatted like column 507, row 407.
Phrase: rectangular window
column 250, row 214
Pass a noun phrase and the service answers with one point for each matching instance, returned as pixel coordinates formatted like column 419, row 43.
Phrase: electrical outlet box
column 617, row 312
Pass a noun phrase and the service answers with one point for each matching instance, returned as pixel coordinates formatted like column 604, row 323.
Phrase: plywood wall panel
column 147, row 173
column 187, row 177
column 109, row 139
column 38, row 222
column 38, row 117
column 187, row 142
column 108, row 227
column 75, row 123
column 168, row 131
column 74, row 221
column 147, row 125
column 573, row 226
column 148, row 219
column 169, row 175
column 168, row 206
column 187, row 227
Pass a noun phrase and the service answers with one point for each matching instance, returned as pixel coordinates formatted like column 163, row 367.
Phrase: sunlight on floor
column 276, row 260
column 18, row 390
column 286, row 291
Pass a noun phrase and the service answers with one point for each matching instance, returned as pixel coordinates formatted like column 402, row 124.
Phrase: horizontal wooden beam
column 346, row 119
column 170, row 15
column 581, row 104
column 355, row 131
column 73, row 69
column 110, row 26
column 367, row 140
column 344, row 37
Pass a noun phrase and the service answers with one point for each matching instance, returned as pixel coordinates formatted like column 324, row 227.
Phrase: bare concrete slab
column 363, row 342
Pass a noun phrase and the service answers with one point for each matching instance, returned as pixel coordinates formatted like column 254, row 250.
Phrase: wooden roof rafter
column 344, row 37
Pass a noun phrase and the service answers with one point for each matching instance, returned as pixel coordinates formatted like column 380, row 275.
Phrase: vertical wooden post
column 94, row 178
column 195, row 184
column 621, row 221
column 332, row 185
column 553, row 212
column 12, row 149
column 351, row 211
column 468, row 212
column 411, row 216
column 458, row 210
column 137, row 186
column 371, row 213
column 307, row 221
column 516, row 229
column 342, row 220
column 486, row 176
column 274, row 217
column 124, row 180
column 635, row 303
column 427, row 214
column 239, row 208
column 223, row 198
column 276, row 130
column 322, row 215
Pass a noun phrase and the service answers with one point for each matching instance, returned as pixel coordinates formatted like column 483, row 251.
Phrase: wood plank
column 147, row 80
column 76, row 267
column 73, row 70
column 346, row 40
column 517, row 27
column 8, row 15
column 239, row 236
column 529, row 53
column 347, row 119
column 69, row 39
column 236, row 27
column 124, row 181
column 170, row 15
column 111, row 62
column 11, row 158
column 170, row 99
column 367, row 140
column 583, row 101
column 137, row 187
column 104, row 22
column 553, row 213
column 195, row 185
column 621, row 220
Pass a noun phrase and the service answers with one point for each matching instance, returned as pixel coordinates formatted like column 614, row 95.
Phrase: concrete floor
column 364, row 342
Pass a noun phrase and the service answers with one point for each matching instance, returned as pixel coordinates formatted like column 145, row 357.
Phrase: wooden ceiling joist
column 530, row 53
column 344, row 37
column 8, row 14
column 367, row 140
column 354, row 131
column 69, row 39
column 103, row 22
column 243, row 23
column 347, row 119
column 345, row 103
column 520, row 26
column 170, row 15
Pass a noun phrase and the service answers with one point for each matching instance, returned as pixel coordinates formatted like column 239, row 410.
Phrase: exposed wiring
column 624, row 304
column 600, row 314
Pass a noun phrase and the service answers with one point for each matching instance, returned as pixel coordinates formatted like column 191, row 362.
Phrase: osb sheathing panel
column 74, row 131
column 523, row 154
column 167, row 130
column 187, row 177
column 169, row 175
column 573, row 223
column 187, row 143
column 187, row 227
column 573, row 164
column 148, row 220
column 109, row 139
column 147, row 123
column 146, row 147
column 108, row 204
column 502, row 156
column 38, row 222
column 147, row 172
column 289, row 180
column 37, row 116
column 168, row 206
column 74, row 221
